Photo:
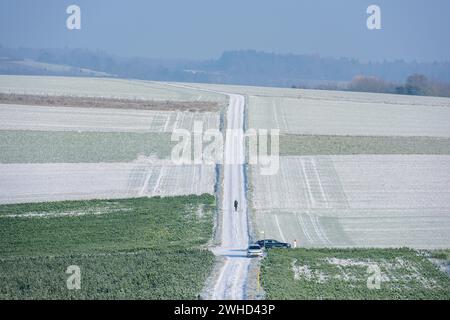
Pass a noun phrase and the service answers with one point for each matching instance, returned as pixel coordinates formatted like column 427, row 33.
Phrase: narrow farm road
column 231, row 282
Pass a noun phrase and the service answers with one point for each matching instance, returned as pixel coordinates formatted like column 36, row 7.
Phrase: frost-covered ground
column 353, row 274
column 352, row 200
column 113, row 177
column 323, row 95
column 356, row 200
column 43, row 118
column 102, row 87
column 70, row 181
column 347, row 117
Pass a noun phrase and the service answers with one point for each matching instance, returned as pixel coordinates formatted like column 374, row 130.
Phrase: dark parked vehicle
column 270, row 243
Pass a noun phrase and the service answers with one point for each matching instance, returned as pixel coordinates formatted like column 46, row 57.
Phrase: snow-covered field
column 379, row 98
column 345, row 117
column 71, row 181
column 20, row 117
column 32, row 182
column 355, row 200
column 102, row 87
column 358, row 200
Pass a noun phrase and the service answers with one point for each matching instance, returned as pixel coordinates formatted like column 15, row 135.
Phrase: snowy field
column 360, row 201
column 20, row 117
column 344, row 117
column 102, row 87
column 36, row 182
column 378, row 98
column 73, row 181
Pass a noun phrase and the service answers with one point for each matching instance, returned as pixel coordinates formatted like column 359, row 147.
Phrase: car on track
column 270, row 243
column 254, row 250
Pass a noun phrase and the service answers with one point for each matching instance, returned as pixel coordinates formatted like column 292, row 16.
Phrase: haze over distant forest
column 318, row 44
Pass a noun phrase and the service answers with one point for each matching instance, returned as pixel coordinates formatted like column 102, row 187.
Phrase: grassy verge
column 344, row 274
column 291, row 144
column 132, row 248
column 45, row 147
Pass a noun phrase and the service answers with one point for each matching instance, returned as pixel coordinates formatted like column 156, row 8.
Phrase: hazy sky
column 198, row 29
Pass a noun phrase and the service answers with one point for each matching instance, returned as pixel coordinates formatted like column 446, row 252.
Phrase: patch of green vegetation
column 291, row 144
column 442, row 254
column 148, row 274
column 67, row 146
column 344, row 274
column 121, row 225
column 149, row 248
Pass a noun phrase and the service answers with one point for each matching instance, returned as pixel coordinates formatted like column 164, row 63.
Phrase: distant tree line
column 415, row 84
column 248, row 67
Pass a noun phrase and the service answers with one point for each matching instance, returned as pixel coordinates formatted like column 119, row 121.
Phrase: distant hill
column 287, row 69
column 32, row 67
column 246, row 67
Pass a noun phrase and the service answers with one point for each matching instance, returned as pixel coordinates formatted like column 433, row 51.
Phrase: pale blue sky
column 199, row 29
